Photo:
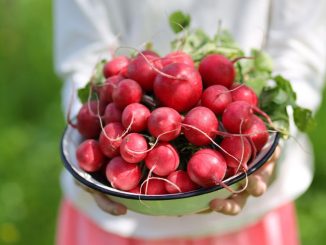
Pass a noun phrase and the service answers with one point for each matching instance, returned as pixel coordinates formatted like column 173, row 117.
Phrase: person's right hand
column 104, row 203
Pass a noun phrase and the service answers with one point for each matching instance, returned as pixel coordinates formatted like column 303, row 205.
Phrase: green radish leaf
column 285, row 86
column 193, row 41
column 211, row 48
column 239, row 73
column 269, row 102
column 262, row 60
column 179, row 21
column 203, row 51
column 96, row 79
column 149, row 46
column 280, row 94
column 230, row 52
column 198, row 38
column 256, row 71
column 83, row 93
column 198, row 44
column 303, row 119
column 224, row 38
column 280, row 118
column 280, row 98
column 257, row 84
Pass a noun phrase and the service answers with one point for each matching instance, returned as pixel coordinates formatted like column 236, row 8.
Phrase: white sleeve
column 83, row 35
column 297, row 44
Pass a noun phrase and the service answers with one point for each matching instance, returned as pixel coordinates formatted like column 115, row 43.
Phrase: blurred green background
column 31, row 124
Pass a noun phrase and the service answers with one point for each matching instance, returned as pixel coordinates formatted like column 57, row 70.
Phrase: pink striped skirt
column 276, row 228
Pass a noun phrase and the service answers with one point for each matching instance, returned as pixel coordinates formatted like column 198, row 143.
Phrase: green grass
column 31, row 124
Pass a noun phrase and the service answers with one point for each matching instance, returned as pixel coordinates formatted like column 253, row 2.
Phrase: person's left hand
column 257, row 186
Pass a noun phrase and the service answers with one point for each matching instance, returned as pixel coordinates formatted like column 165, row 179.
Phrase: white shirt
column 86, row 30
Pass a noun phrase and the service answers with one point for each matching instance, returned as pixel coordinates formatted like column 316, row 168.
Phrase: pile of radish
column 176, row 123
column 150, row 108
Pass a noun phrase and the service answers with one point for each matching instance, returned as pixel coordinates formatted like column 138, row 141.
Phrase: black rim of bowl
column 198, row 192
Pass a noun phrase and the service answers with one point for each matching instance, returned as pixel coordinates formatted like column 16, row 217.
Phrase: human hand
column 105, row 203
column 257, row 186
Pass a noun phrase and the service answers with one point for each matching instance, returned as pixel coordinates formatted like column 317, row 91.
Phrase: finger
column 231, row 206
column 256, row 186
column 276, row 154
column 266, row 173
column 258, row 182
column 108, row 205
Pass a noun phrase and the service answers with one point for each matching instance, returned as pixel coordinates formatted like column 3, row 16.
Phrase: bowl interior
column 71, row 139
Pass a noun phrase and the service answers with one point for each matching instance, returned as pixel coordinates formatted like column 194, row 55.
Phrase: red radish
column 236, row 115
column 177, row 57
column 107, row 88
column 180, row 94
column 207, row 167
column 135, row 190
column 216, row 69
column 115, row 66
column 112, row 113
column 163, row 159
column 136, row 116
column 153, row 187
column 216, row 98
column 244, row 93
column 181, row 179
column 133, row 148
column 123, row 175
column 110, row 139
column 257, row 131
column 141, row 70
column 127, row 92
column 163, row 120
column 203, row 119
column 88, row 123
column 240, row 150
column 89, row 156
